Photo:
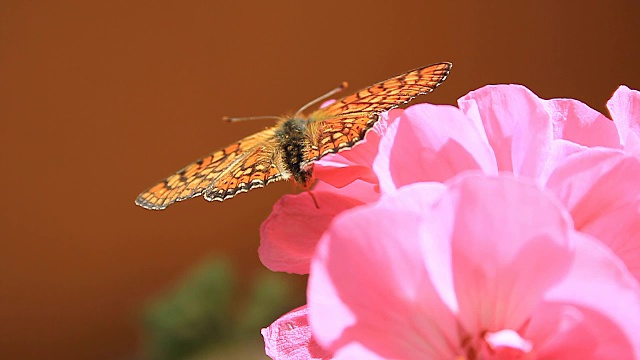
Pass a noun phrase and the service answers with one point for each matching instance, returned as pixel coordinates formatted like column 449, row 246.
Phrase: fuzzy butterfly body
column 289, row 149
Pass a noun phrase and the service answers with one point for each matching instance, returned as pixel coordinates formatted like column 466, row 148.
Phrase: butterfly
column 288, row 150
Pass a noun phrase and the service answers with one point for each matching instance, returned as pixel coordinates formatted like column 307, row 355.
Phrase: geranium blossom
column 487, row 267
column 589, row 162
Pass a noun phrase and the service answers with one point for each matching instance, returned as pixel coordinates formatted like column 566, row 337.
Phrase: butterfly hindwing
column 262, row 165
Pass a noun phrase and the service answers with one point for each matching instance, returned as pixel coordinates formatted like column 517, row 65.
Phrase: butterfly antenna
column 317, row 100
column 236, row 119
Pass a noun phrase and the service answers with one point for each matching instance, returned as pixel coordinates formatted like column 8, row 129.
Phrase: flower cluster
column 507, row 227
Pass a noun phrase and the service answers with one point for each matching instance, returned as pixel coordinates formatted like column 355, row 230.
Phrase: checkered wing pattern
column 247, row 164
column 346, row 122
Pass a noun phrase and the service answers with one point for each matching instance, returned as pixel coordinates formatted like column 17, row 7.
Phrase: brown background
column 99, row 100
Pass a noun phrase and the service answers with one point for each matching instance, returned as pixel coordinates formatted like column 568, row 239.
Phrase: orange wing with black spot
column 346, row 122
column 250, row 163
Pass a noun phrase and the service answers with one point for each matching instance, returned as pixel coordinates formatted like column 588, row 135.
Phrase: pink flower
column 561, row 144
column 589, row 162
column 485, row 267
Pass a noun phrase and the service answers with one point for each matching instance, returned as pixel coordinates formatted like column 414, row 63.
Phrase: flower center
column 503, row 344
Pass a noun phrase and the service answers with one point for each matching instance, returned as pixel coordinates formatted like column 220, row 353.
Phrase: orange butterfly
column 288, row 149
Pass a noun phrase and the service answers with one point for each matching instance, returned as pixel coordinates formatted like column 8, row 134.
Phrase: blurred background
column 98, row 100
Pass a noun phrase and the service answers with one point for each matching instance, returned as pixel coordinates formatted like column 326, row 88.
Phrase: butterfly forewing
column 216, row 167
column 346, row 122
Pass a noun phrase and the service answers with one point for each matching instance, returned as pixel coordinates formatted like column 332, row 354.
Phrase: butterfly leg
column 315, row 201
column 305, row 187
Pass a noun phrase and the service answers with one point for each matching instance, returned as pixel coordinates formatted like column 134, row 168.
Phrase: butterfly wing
column 345, row 122
column 254, row 155
column 260, row 167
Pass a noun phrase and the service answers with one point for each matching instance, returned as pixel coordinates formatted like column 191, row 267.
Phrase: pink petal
column 595, row 181
column 431, row 143
column 624, row 107
column 517, row 125
column 288, row 237
column 356, row 351
column 619, row 229
column 594, row 312
column 370, row 271
column 360, row 190
column 577, row 122
column 289, row 338
column 340, row 171
column 600, row 189
column 508, row 343
column 560, row 150
column 560, row 331
column 497, row 252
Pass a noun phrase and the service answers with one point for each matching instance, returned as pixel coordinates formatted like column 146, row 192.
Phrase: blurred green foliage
column 208, row 316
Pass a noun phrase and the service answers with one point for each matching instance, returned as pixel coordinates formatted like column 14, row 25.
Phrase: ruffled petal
column 503, row 230
column 624, row 107
column 431, row 143
column 576, row 122
column 518, row 127
column 593, row 312
column 600, row 189
column 289, row 338
column 288, row 237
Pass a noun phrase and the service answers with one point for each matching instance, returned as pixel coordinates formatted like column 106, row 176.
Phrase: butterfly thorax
column 294, row 145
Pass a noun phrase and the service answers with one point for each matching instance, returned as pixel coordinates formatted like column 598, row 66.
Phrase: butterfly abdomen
column 293, row 142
